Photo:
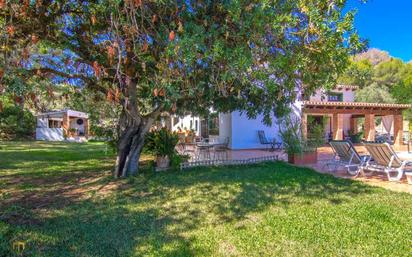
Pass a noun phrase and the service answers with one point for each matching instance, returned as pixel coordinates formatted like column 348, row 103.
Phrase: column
column 86, row 128
column 369, row 127
column 337, row 126
column 66, row 124
column 353, row 125
column 305, row 126
column 398, row 129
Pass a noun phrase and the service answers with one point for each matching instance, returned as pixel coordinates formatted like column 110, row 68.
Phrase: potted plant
column 162, row 144
column 355, row 138
column 72, row 132
column 300, row 150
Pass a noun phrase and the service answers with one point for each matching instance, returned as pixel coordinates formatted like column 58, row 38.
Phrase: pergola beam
column 356, row 111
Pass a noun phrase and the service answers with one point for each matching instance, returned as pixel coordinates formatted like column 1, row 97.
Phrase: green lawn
column 60, row 200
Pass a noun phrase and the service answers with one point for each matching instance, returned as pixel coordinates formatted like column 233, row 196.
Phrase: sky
column 387, row 24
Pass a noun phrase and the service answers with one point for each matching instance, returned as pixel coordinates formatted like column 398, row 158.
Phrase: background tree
column 389, row 73
column 358, row 73
column 374, row 93
column 149, row 57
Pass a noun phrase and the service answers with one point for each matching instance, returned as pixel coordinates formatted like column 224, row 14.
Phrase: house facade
column 336, row 110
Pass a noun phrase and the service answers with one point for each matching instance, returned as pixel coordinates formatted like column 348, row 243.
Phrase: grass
column 60, row 200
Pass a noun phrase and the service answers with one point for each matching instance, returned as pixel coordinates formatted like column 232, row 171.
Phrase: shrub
column 16, row 123
column 162, row 142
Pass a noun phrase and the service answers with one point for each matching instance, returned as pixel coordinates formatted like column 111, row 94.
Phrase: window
column 196, row 125
column 55, row 124
column 335, row 97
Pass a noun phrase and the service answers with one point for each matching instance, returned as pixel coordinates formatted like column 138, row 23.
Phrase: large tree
column 150, row 57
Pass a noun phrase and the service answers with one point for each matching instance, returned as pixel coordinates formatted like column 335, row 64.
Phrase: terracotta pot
column 162, row 162
column 304, row 158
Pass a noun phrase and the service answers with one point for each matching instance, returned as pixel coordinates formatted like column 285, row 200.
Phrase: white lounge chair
column 385, row 159
column 346, row 155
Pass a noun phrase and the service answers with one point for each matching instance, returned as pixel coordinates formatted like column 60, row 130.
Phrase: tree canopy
column 149, row 57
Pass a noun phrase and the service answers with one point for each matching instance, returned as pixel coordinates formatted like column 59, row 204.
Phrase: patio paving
column 377, row 179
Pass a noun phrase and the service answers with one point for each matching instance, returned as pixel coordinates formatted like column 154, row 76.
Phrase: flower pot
column 304, row 158
column 162, row 162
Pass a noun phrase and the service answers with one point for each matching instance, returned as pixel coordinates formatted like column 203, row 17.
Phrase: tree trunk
column 132, row 133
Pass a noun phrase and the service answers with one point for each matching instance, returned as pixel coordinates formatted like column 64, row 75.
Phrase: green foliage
column 290, row 131
column 162, row 142
column 16, row 123
column 374, row 93
column 358, row 73
column 316, row 135
column 356, row 138
column 200, row 54
column 403, row 90
column 389, row 73
column 176, row 159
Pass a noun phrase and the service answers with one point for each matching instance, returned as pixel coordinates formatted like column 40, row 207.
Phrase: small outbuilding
column 63, row 125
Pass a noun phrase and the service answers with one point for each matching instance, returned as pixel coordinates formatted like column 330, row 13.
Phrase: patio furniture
column 202, row 151
column 264, row 141
column 220, row 150
column 345, row 154
column 384, row 159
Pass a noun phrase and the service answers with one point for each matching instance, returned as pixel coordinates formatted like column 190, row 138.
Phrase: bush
column 291, row 134
column 16, row 123
column 162, row 142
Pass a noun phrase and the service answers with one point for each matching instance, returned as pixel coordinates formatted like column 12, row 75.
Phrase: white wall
column 225, row 126
column 244, row 131
column 42, row 122
column 321, row 95
column 184, row 122
column 49, row 134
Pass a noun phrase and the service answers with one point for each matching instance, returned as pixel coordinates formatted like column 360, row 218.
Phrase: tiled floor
column 377, row 179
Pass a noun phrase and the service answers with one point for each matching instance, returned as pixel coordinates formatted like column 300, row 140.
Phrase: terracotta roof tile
column 357, row 104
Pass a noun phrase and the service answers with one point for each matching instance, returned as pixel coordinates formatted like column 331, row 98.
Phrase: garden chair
column 345, row 154
column 384, row 159
column 220, row 150
column 264, row 141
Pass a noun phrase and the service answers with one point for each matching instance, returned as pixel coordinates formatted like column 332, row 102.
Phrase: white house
column 335, row 109
column 62, row 125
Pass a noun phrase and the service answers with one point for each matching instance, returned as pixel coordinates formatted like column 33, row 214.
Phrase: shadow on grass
column 155, row 213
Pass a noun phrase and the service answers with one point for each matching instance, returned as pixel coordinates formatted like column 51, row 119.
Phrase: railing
column 207, row 163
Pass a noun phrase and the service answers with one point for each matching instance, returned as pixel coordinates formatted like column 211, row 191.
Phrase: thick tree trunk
column 130, row 145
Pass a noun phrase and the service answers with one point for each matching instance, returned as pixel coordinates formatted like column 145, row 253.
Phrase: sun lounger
column 346, row 155
column 385, row 159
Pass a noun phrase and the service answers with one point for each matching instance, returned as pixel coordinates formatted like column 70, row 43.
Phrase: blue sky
column 387, row 24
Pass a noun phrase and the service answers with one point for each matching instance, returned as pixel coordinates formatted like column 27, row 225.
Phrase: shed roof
column 70, row 113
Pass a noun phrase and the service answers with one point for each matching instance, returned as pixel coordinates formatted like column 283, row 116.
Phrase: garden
column 60, row 199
